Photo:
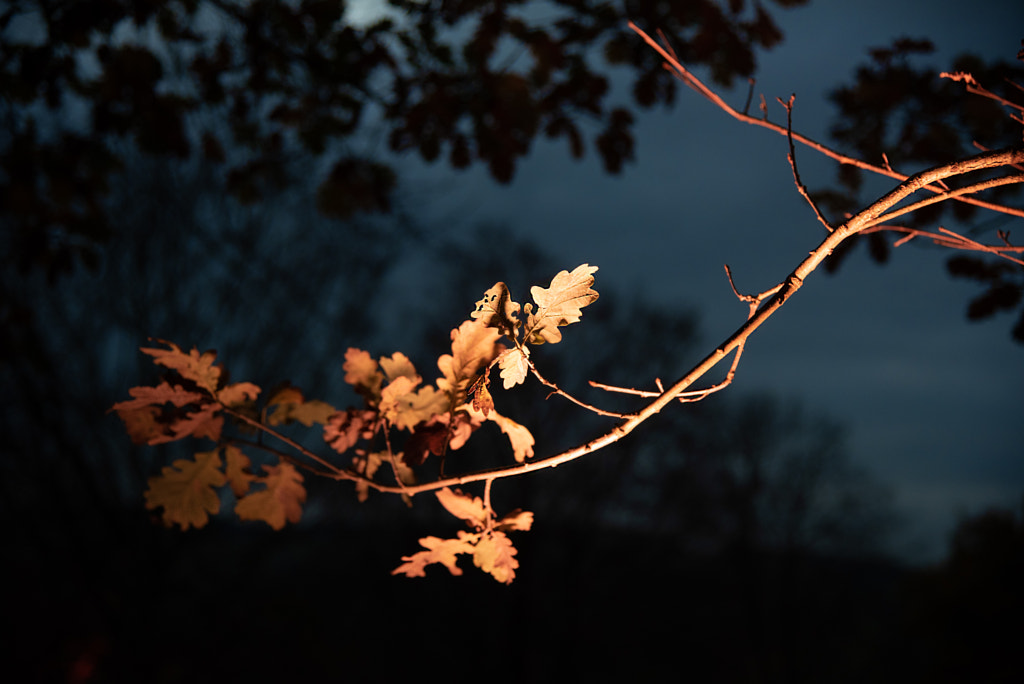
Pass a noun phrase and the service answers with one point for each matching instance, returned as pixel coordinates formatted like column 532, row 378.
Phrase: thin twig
column 792, row 163
column 555, row 389
column 737, row 340
column 687, row 77
column 290, row 442
column 283, row 455
column 952, row 194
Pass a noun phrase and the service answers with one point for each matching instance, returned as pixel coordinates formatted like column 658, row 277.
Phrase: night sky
column 931, row 401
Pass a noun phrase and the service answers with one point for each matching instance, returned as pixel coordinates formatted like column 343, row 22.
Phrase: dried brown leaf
column 363, row 373
column 163, row 393
column 497, row 310
column 344, row 429
column 193, row 366
column 185, row 490
column 495, row 554
column 280, row 502
column 474, row 345
column 516, row 521
column 514, row 367
column 288, row 404
column 518, row 435
column 464, row 507
column 238, row 393
column 443, row 551
column 236, row 468
column 405, row 408
column 559, row 304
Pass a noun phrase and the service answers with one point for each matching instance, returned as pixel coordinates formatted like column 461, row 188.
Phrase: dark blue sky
column 932, row 402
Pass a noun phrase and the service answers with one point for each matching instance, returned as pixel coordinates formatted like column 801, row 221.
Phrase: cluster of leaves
column 476, row 82
column 491, row 549
column 913, row 118
column 402, row 422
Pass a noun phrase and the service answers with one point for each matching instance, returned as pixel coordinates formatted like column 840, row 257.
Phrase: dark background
column 799, row 527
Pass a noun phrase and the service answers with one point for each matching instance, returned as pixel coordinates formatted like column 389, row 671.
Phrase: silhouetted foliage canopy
column 251, row 85
column 909, row 117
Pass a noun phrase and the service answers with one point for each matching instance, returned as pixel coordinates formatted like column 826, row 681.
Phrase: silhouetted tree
column 899, row 113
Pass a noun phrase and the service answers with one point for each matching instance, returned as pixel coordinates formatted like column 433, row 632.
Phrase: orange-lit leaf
column 344, row 429
column 362, row 372
column 288, row 404
column 238, row 393
column 202, row 423
column 142, row 425
column 193, row 366
column 495, row 554
column 518, row 435
column 514, row 367
column 463, row 506
column 443, row 551
column 516, row 521
column 281, row 501
column 397, row 366
column 141, row 413
column 559, row 304
column 405, row 408
column 474, row 345
column 185, row 490
column 236, row 467
column 161, row 394
column 497, row 310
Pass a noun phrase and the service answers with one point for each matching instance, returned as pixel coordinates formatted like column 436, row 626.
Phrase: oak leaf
column 429, row 437
column 185, row 490
column 280, row 502
column 464, row 507
column 518, row 435
column 193, row 366
column 435, row 436
column 516, row 521
column 463, row 428
column 397, row 366
column 495, row 554
column 497, row 310
column 474, row 345
column 514, row 366
column 142, row 425
column 236, row 468
column 405, row 408
column 559, row 304
column 143, row 417
column 163, row 393
column 363, row 373
column 238, row 393
column 443, row 551
column 202, row 423
column 288, row 404
column 345, row 428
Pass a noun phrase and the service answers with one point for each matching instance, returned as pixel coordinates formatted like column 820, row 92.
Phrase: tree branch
column 673, row 64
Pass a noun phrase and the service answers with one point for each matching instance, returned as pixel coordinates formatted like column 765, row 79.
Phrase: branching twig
column 673, row 64
column 792, row 163
column 555, row 389
column 953, row 194
column 335, row 470
column 737, row 340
